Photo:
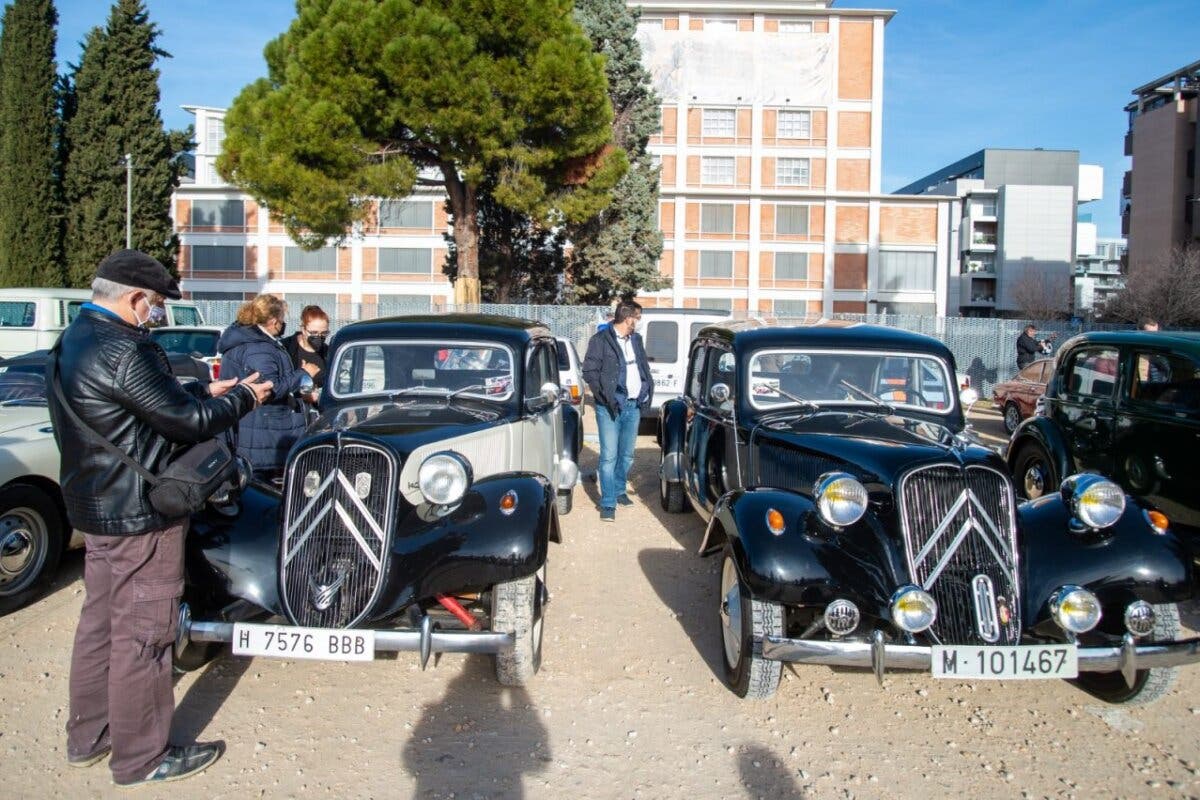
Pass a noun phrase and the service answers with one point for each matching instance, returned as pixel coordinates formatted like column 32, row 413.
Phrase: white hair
column 111, row 291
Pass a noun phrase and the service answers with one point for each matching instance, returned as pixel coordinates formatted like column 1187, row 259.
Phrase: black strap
column 52, row 377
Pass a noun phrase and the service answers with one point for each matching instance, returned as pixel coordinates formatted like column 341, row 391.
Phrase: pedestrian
column 308, row 348
column 1028, row 347
column 120, row 385
column 616, row 370
column 251, row 345
column 1149, row 324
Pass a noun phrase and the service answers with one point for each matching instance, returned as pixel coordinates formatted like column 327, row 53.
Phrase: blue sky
column 959, row 75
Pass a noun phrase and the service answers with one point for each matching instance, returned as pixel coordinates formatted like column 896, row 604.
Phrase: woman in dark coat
column 307, row 347
column 250, row 345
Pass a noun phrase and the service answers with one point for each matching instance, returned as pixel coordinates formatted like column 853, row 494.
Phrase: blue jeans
column 618, row 437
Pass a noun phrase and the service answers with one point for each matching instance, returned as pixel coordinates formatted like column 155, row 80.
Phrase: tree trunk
column 464, row 205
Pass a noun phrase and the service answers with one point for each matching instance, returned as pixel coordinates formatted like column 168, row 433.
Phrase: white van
column 667, row 334
column 32, row 319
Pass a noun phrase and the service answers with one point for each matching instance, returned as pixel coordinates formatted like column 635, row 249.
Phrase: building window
column 214, row 138
column 795, row 26
column 405, row 214
column 214, row 177
column 719, row 122
column 716, row 304
column 791, row 220
column 717, row 169
column 716, row 264
column 720, row 25
column 791, row 308
column 649, row 24
column 792, row 172
column 716, row 218
column 218, row 258
column 791, row 267
column 795, row 125
column 218, row 214
column 406, row 260
column 218, row 297
column 902, row 271
column 918, row 309
column 297, row 260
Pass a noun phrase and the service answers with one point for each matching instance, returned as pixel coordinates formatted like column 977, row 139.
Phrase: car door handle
column 1086, row 424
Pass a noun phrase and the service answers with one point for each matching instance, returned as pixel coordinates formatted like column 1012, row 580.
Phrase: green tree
column 30, row 196
column 361, row 94
column 616, row 252
column 115, row 111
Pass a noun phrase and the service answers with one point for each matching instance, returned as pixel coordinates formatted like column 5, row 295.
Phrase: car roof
column 1184, row 340
column 217, row 329
column 61, row 294
column 510, row 330
column 758, row 332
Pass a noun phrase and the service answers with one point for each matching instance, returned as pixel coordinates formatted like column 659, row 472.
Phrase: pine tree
column 30, row 197
column 116, row 112
column 616, row 252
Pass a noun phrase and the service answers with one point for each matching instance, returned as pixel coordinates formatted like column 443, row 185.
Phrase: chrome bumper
column 424, row 640
column 879, row 655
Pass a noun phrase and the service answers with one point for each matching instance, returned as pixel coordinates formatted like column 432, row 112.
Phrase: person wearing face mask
column 252, row 344
column 116, row 385
column 618, row 373
column 308, row 348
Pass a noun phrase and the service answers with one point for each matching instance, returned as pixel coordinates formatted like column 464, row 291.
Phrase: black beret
column 135, row 268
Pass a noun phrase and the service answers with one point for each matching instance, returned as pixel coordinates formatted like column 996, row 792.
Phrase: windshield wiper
column 864, row 393
column 797, row 398
column 472, row 388
column 423, row 391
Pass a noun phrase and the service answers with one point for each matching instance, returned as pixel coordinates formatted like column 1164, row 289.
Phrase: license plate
column 286, row 641
column 1020, row 662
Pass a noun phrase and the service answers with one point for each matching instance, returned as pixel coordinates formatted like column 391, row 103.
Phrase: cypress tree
column 616, row 252
column 30, row 198
column 116, row 112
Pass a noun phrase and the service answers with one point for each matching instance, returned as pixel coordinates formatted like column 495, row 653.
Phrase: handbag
column 192, row 475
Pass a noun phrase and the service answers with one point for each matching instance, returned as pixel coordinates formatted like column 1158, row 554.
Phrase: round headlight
column 841, row 500
column 913, row 609
column 1075, row 609
column 1095, row 501
column 443, row 478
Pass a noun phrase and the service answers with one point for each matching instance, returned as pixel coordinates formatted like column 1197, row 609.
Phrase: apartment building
column 1014, row 227
column 1162, row 188
column 1098, row 275
column 770, row 150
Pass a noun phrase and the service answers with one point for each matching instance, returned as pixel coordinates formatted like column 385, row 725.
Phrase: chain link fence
column 984, row 348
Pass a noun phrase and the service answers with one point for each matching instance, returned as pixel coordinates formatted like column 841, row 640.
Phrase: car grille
column 960, row 539
column 338, row 521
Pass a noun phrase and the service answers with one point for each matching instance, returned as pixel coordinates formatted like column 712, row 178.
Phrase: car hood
column 410, row 423
column 23, row 422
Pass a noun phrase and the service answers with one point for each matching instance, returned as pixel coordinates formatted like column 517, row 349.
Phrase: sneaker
column 623, row 500
column 87, row 761
column 608, row 514
column 181, row 762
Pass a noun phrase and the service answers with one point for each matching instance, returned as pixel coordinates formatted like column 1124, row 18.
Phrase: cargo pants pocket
column 156, row 613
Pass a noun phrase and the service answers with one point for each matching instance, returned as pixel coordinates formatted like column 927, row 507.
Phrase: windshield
column 782, row 377
column 23, row 385
column 414, row 367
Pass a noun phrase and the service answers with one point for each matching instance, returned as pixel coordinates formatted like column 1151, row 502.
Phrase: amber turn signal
column 1158, row 520
column 575, row 391
column 508, row 502
column 775, row 521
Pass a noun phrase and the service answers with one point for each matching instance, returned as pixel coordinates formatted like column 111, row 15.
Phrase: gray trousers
column 122, row 690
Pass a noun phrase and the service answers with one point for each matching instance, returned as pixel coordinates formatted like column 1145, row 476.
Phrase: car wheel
column 745, row 623
column 1149, row 684
column 31, row 543
column 1012, row 417
column 670, row 493
column 564, row 501
column 517, row 608
column 1034, row 475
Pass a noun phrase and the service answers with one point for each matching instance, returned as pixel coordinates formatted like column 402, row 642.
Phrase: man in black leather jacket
column 119, row 382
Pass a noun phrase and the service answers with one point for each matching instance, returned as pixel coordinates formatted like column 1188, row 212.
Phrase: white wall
column 1091, row 182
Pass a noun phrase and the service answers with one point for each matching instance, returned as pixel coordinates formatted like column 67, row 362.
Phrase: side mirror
column 719, row 394
column 550, row 393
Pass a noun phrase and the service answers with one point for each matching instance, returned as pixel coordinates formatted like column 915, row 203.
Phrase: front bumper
column 879, row 655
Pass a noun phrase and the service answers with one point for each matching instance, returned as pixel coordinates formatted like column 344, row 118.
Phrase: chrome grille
column 338, row 520
column 959, row 525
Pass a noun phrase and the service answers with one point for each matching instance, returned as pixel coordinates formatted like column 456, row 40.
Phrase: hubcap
column 22, row 547
column 731, row 613
column 1035, row 481
column 1013, row 417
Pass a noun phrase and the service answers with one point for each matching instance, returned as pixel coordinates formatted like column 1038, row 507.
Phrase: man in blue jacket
column 617, row 372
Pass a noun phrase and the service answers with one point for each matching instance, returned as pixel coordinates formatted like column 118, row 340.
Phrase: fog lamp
column 1075, row 609
column 913, row 609
column 841, row 617
column 1139, row 618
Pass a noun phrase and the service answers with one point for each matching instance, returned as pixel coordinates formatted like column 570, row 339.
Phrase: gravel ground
column 629, row 703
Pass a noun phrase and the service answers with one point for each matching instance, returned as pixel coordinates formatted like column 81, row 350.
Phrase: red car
column 1016, row 397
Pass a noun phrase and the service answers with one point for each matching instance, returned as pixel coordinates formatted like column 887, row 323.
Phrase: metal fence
column 984, row 349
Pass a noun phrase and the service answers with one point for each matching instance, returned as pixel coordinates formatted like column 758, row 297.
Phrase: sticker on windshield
column 498, row 385
column 767, row 387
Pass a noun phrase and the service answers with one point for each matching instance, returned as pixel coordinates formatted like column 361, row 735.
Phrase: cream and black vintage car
column 415, row 513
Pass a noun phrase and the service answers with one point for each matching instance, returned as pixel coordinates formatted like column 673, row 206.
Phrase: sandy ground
column 629, row 703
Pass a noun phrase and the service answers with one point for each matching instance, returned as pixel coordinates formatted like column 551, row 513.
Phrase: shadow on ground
column 204, row 698
column 764, row 776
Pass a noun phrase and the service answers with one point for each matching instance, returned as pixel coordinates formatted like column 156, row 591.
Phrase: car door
column 693, row 442
column 544, row 427
column 1086, row 407
column 661, row 342
column 714, row 469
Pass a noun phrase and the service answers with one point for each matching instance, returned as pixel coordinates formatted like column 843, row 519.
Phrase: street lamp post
column 128, row 201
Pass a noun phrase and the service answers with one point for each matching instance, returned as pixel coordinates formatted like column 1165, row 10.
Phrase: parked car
column 570, row 373
column 667, row 334
column 196, row 341
column 1125, row 405
column 415, row 513
column 32, row 319
column 860, row 525
column 1017, row 398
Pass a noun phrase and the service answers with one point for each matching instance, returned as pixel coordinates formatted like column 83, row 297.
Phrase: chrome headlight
column 444, row 478
column 1075, row 609
column 841, row 499
column 1095, row 501
column 913, row 609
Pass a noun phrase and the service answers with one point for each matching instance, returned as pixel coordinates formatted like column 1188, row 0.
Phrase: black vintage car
column 415, row 513
column 1125, row 405
column 862, row 525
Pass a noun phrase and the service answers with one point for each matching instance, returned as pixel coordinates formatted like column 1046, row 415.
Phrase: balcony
column 981, row 241
column 980, row 268
column 1127, row 184
column 1129, row 143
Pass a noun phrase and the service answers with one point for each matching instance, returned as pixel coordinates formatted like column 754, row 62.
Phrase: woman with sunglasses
column 308, row 347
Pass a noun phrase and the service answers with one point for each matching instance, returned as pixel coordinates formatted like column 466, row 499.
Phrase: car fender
column 1129, row 561
column 1044, row 432
column 809, row 563
column 672, row 429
